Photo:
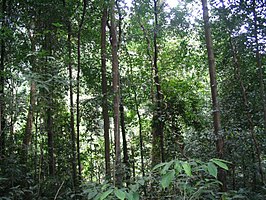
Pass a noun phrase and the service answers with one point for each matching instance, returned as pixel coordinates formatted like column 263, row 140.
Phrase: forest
column 132, row 99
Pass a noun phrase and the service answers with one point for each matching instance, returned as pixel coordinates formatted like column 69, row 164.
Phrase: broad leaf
column 120, row 194
column 212, row 169
column 220, row 163
column 166, row 167
column 167, row 178
column 158, row 166
column 135, row 196
column 178, row 167
column 187, row 168
column 105, row 194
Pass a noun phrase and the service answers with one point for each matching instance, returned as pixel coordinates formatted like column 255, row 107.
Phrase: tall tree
column 214, row 94
column 157, row 121
column 104, row 94
column 78, row 83
column 116, row 93
column 30, row 117
column 72, row 123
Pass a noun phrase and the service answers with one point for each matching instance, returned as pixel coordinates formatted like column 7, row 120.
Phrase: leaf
column 135, row 196
column 158, row 166
column 167, row 178
column 187, row 168
column 212, row 169
column 220, row 163
column 91, row 194
column 141, row 182
column 167, row 166
column 105, row 194
column 130, row 196
column 120, row 194
column 178, row 167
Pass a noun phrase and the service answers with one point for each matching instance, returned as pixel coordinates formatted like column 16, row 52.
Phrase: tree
column 116, row 93
column 157, row 121
column 215, row 102
column 104, row 94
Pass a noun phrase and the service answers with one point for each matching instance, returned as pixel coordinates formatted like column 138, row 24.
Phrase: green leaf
column 91, row 194
column 105, row 194
column 220, row 163
column 212, row 169
column 135, row 196
column 167, row 178
column 187, row 168
column 158, row 166
column 120, row 194
column 130, row 196
column 141, row 182
column 178, row 167
column 167, row 166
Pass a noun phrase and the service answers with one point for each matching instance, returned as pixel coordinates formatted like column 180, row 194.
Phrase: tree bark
column 51, row 160
column 72, row 123
column 30, row 117
column 140, row 134
column 78, row 85
column 125, row 149
column 115, row 71
column 157, row 123
column 104, row 95
column 214, row 94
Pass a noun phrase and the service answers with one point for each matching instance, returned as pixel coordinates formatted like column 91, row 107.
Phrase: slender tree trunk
column 30, row 117
column 125, row 149
column 78, row 84
column 140, row 134
column 51, row 160
column 104, row 93
column 2, row 85
column 259, row 64
column 214, row 94
column 115, row 71
column 72, row 123
column 157, row 123
column 133, row 162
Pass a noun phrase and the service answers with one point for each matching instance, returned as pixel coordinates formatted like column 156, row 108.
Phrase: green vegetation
column 100, row 99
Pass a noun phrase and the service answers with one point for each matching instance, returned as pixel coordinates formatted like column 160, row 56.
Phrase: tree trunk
column 214, row 94
column 125, row 149
column 78, row 85
column 2, row 85
column 115, row 71
column 140, row 134
column 72, row 124
column 157, row 123
column 104, row 93
column 51, row 160
column 30, row 117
